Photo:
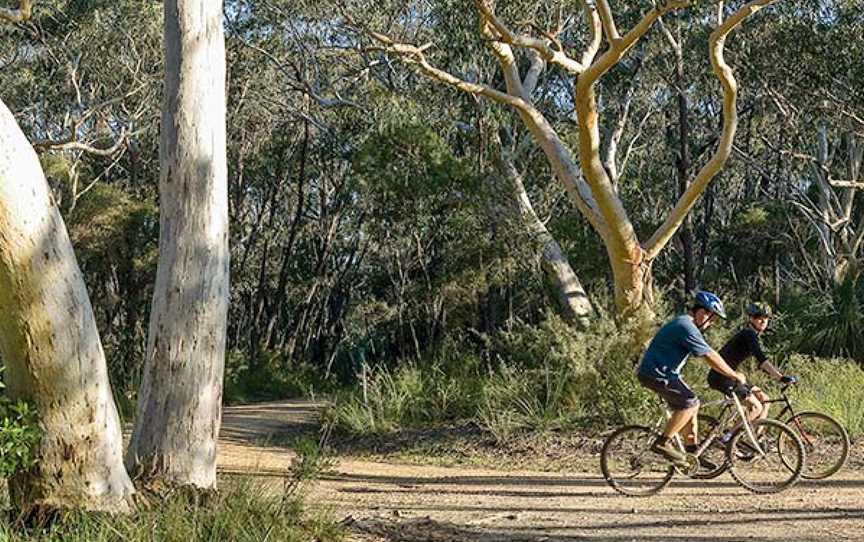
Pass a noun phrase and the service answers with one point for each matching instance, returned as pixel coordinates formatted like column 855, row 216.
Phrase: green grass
column 385, row 400
column 832, row 386
column 241, row 512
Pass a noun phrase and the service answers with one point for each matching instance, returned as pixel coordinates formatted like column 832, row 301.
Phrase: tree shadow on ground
column 429, row 530
column 274, row 423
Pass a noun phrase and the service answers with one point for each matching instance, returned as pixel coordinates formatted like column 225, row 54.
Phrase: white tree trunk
column 569, row 292
column 51, row 347
column 179, row 405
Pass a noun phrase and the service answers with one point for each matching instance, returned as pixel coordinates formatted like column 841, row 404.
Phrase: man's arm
column 771, row 370
column 755, row 346
column 717, row 363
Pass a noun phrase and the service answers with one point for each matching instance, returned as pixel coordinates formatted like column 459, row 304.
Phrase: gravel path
column 395, row 502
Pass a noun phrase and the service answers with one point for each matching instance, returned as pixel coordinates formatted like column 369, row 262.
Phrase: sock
column 691, row 448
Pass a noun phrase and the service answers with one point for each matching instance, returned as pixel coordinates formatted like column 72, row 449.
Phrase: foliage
column 833, row 326
column 541, row 399
column 832, row 386
column 19, row 434
column 269, row 378
column 546, row 377
column 437, row 389
column 311, row 460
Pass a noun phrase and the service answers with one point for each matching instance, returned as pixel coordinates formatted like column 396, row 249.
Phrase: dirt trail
column 390, row 502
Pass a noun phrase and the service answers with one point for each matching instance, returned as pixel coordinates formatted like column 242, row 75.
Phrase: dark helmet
column 710, row 302
column 758, row 309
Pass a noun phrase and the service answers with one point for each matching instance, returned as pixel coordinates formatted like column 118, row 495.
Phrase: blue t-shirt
column 670, row 347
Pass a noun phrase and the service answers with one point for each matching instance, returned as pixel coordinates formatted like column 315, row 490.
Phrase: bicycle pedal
column 689, row 467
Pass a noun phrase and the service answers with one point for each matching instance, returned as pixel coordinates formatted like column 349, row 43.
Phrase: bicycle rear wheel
column 825, row 441
column 715, row 453
column 630, row 467
column 778, row 468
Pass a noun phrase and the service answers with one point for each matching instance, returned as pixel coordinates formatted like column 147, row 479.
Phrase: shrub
column 433, row 390
column 19, row 434
column 542, row 399
column 833, row 328
column 269, row 378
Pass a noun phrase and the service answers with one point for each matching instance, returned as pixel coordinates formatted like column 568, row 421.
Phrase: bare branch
column 595, row 26
column 730, row 125
column 669, row 37
column 73, row 144
column 610, row 161
column 533, row 74
column 631, row 146
column 550, row 55
column 620, row 45
column 608, row 21
column 506, row 59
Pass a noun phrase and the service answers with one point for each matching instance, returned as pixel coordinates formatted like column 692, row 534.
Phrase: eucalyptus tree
column 832, row 206
column 180, row 400
column 93, row 119
column 49, row 341
column 594, row 195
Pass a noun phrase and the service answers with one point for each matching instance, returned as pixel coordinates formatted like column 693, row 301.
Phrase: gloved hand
column 788, row 379
column 743, row 390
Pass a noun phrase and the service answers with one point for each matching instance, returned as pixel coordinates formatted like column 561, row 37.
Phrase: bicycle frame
column 724, row 421
column 787, row 408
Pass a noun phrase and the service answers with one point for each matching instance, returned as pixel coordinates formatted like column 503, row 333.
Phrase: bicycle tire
column 789, row 468
column 706, row 425
column 629, row 445
column 822, row 461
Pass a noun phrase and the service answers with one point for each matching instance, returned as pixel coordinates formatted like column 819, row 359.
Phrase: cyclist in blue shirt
column 660, row 371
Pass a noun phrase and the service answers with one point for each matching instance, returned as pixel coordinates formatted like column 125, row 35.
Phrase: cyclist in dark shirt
column 738, row 349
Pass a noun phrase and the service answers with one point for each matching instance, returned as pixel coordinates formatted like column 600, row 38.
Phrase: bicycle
column 826, row 441
column 758, row 465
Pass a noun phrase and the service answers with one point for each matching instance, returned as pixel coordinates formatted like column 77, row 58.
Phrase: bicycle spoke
column 777, row 467
column 825, row 442
column 630, row 467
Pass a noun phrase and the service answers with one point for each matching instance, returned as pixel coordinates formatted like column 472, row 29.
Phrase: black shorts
column 720, row 383
column 676, row 393
column 726, row 385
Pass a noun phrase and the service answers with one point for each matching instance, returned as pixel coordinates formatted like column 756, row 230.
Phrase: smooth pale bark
column 591, row 190
column 179, row 406
column 833, row 214
column 562, row 279
column 50, row 345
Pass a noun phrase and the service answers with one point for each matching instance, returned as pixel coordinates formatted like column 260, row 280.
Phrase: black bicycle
column 825, row 440
column 765, row 456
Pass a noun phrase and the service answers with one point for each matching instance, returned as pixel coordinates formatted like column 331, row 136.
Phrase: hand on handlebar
column 740, row 377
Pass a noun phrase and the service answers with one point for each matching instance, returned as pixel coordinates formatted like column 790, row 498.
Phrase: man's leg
column 681, row 419
column 684, row 405
column 763, row 399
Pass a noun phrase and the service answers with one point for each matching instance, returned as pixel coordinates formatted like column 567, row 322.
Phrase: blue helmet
column 710, row 302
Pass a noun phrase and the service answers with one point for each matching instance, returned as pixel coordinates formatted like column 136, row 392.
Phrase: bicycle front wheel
column 825, row 441
column 777, row 467
column 630, row 467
